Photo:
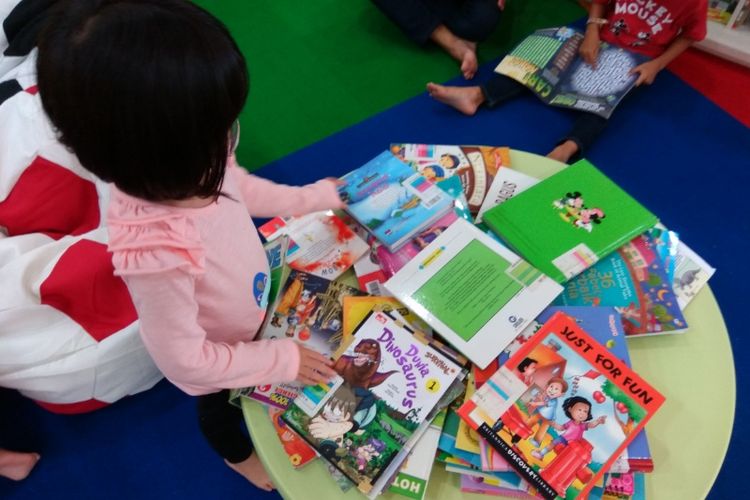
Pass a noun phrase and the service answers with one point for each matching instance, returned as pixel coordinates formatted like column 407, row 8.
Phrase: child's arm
column 264, row 198
column 177, row 343
column 589, row 48
column 648, row 70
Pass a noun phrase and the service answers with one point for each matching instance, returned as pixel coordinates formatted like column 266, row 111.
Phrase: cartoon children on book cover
column 389, row 384
column 475, row 166
column 563, row 428
column 309, row 310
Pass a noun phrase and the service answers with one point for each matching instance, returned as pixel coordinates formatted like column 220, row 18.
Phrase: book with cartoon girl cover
column 308, row 309
column 390, row 383
column 475, row 166
column 567, row 222
column 391, row 200
column 563, row 427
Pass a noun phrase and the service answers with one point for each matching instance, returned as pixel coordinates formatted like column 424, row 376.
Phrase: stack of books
column 478, row 319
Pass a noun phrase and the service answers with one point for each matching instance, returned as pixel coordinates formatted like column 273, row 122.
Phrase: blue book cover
column 635, row 281
column 391, row 200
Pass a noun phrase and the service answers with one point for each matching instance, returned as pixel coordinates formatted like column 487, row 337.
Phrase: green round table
column 688, row 437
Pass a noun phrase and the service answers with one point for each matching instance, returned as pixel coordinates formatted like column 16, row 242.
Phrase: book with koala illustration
column 390, row 386
column 567, row 222
column 564, row 425
column 548, row 63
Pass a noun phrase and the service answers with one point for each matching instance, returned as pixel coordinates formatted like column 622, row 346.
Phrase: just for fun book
column 567, row 222
column 390, row 383
column 391, row 200
column 547, row 62
column 561, row 429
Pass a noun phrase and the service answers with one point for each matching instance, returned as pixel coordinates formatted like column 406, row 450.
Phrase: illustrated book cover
column 308, row 310
column 605, row 325
column 547, row 62
column 391, row 200
column 320, row 243
column 389, row 385
column 300, row 453
column 475, row 166
column 562, row 428
column 633, row 279
column 475, row 293
column 691, row 274
column 567, row 222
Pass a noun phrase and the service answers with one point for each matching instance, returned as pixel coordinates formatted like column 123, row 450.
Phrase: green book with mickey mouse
column 567, row 222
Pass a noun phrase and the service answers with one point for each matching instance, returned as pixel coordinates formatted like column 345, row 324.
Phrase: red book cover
column 562, row 429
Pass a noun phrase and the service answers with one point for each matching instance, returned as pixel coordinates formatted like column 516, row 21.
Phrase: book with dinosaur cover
column 567, row 222
column 633, row 279
column 561, row 428
column 473, row 291
column 391, row 200
column 475, row 166
column 309, row 310
column 548, row 63
column 390, row 384
column 320, row 243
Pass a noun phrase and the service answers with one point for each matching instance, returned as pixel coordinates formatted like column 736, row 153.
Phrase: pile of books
column 477, row 318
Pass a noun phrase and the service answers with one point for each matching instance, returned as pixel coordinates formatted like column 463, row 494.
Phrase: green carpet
column 319, row 66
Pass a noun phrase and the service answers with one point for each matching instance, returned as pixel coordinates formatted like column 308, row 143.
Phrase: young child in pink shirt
column 145, row 94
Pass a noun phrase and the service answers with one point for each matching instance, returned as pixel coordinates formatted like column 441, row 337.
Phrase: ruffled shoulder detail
column 147, row 238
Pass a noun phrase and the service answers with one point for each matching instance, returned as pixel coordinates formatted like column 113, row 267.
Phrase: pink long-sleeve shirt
column 196, row 276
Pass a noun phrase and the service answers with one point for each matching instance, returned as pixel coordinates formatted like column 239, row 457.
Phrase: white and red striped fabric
column 68, row 329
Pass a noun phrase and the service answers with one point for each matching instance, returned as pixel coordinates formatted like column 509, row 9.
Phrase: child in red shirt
column 660, row 29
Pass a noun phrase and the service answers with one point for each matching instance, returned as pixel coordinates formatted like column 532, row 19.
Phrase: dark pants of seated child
column 586, row 128
column 472, row 20
column 222, row 425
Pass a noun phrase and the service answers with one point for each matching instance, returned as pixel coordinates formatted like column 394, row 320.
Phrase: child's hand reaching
column 314, row 368
column 647, row 72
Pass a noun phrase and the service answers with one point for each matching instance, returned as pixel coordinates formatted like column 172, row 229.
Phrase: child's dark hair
column 143, row 92
column 523, row 365
column 573, row 400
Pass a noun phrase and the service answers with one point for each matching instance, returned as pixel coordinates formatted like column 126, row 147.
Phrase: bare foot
column 465, row 99
column 463, row 51
column 15, row 465
column 564, row 151
column 252, row 469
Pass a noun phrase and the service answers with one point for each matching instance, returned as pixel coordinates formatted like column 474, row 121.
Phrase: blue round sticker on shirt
column 260, row 290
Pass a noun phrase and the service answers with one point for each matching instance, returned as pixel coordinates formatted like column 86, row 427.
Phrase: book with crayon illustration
column 562, row 427
column 391, row 200
column 389, row 388
column 308, row 310
column 475, row 166
column 567, row 222
column 548, row 63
